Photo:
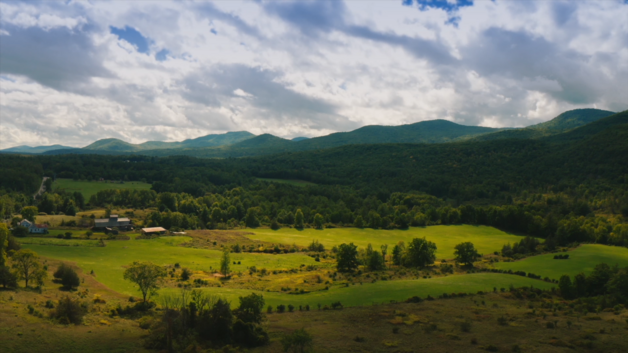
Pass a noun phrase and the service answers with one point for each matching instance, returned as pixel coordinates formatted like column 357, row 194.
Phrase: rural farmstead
column 113, row 221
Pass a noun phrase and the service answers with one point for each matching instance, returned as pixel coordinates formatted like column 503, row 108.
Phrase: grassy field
column 386, row 291
column 108, row 262
column 89, row 188
column 485, row 239
column 289, row 182
column 582, row 259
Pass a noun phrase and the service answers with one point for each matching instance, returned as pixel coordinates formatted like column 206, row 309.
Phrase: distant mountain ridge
column 117, row 145
column 241, row 144
column 36, row 149
column 564, row 122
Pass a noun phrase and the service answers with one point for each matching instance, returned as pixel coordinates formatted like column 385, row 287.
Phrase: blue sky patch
column 162, row 55
column 132, row 36
column 439, row 4
column 213, row 31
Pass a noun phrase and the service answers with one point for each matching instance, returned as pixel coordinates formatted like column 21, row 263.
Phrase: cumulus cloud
column 75, row 72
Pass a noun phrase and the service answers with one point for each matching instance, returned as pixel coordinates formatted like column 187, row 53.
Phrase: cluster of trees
column 194, row 315
column 607, row 281
column 419, row 253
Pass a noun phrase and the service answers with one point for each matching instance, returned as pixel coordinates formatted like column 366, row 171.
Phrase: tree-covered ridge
column 564, row 122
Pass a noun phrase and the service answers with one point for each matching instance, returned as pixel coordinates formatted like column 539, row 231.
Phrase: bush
column 8, row 279
column 68, row 235
column 185, row 274
column 68, row 277
column 465, row 326
column 281, row 308
column 248, row 334
column 69, row 311
column 298, row 341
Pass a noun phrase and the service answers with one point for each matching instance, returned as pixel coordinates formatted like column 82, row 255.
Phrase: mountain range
column 243, row 143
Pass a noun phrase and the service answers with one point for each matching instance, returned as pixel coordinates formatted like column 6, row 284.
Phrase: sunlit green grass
column 385, row 291
column 582, row 259
column 108, row 262
column 89, row 188
column 485, row 239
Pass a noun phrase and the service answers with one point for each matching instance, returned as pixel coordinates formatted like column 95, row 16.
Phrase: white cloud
column 300, row 68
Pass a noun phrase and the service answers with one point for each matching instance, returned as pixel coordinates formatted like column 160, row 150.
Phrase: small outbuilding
column 154, row 231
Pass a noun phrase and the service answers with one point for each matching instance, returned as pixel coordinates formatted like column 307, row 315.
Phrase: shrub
column 269, row 309
column 185, row 274
column 336, row 305
column 69, row 311
column 281, row 308
column 8, row 279
column 359, row 339
column 465, row 326
column 68, row 235
column 68, row 277
column 248, row 334
column 290, row 308
column 298, row 341
column 502, row 321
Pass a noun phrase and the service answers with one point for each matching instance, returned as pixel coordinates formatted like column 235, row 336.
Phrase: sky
column 72, row 72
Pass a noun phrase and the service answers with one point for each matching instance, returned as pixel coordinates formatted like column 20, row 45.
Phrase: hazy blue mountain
column 300, row 138
column 37, row 149
column 117, row 145
column 564, row 122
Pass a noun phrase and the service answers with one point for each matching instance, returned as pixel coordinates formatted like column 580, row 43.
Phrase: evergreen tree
column 347, row 257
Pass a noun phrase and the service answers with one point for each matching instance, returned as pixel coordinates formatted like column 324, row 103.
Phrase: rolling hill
column 37, row 149
column 564, row 122
column 116, row 145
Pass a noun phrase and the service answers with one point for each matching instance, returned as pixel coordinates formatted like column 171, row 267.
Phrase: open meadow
column 486, row 239
column 108, row 264
column 582, row 259
column 89, row 188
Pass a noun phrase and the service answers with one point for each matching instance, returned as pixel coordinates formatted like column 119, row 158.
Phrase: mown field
column 582, row 259
column 89, row 188
column 485, row 239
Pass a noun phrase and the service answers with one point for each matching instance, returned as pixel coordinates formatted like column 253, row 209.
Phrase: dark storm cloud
column 60, row 58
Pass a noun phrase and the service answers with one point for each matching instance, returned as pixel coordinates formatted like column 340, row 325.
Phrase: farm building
column 34, row 228
column 153, row 231
column 113, row 221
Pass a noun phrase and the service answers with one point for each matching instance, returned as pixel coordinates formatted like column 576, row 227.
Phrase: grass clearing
column 485, row 239
column 57, row 242
column 383, row 292
column 89, row 188
column 108, row 262
column 581, row 259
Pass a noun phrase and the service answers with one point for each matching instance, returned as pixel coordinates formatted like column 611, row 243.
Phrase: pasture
column 109, row 262
column 486, row 239
column 581, row 259
column 89, row 188
column 383, row 292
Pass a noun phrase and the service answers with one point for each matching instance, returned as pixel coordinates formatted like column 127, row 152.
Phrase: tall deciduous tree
column 30, row 213
column 466, row 254
column 420, row 253
column 319, row 221
column 146, row 275
column 347, row 257
column 27, row 265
